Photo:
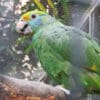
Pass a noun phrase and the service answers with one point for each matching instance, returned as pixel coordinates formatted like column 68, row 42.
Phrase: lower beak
column 23, row 27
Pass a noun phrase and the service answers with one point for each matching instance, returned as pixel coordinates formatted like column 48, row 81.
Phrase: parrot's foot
column 67, row 92
column 89, row 97
column 71, row 95
column 77, row 95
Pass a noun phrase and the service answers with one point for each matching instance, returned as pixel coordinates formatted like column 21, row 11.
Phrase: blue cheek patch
column 35, row 22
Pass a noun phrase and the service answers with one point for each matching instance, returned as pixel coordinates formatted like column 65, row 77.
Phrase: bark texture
column 17, row 89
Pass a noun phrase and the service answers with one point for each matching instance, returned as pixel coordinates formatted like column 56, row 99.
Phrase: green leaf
column 29, row 48
column 40, row 5
column 21, row 40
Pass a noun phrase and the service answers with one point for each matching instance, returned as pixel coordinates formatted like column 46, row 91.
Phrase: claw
column 63, row 89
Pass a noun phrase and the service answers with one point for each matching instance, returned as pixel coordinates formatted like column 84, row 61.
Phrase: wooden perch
column 18, row 89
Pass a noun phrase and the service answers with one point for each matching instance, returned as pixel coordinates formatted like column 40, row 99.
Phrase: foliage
column 39, row 5
column 24, row 40
column 66, row 10
column 58, row 8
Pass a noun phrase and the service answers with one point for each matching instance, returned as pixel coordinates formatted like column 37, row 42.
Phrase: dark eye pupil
column 33, row 16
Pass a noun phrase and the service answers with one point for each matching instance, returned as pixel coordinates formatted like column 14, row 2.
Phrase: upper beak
column 23, row 27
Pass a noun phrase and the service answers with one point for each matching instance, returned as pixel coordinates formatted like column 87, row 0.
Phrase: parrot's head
column 30, row 21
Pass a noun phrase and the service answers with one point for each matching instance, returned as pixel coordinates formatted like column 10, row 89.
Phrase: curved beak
column 23, row 27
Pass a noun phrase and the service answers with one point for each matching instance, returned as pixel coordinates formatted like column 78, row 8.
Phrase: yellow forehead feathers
column 27, row 15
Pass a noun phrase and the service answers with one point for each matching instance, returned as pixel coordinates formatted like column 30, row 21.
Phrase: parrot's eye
column 33, row 16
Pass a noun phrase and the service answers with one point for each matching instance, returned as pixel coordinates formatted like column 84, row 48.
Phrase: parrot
column 69, row 56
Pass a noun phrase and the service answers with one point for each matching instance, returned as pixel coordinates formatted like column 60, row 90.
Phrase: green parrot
column 68, row 55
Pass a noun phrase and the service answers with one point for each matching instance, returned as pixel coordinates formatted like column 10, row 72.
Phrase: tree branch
column 18, row 89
